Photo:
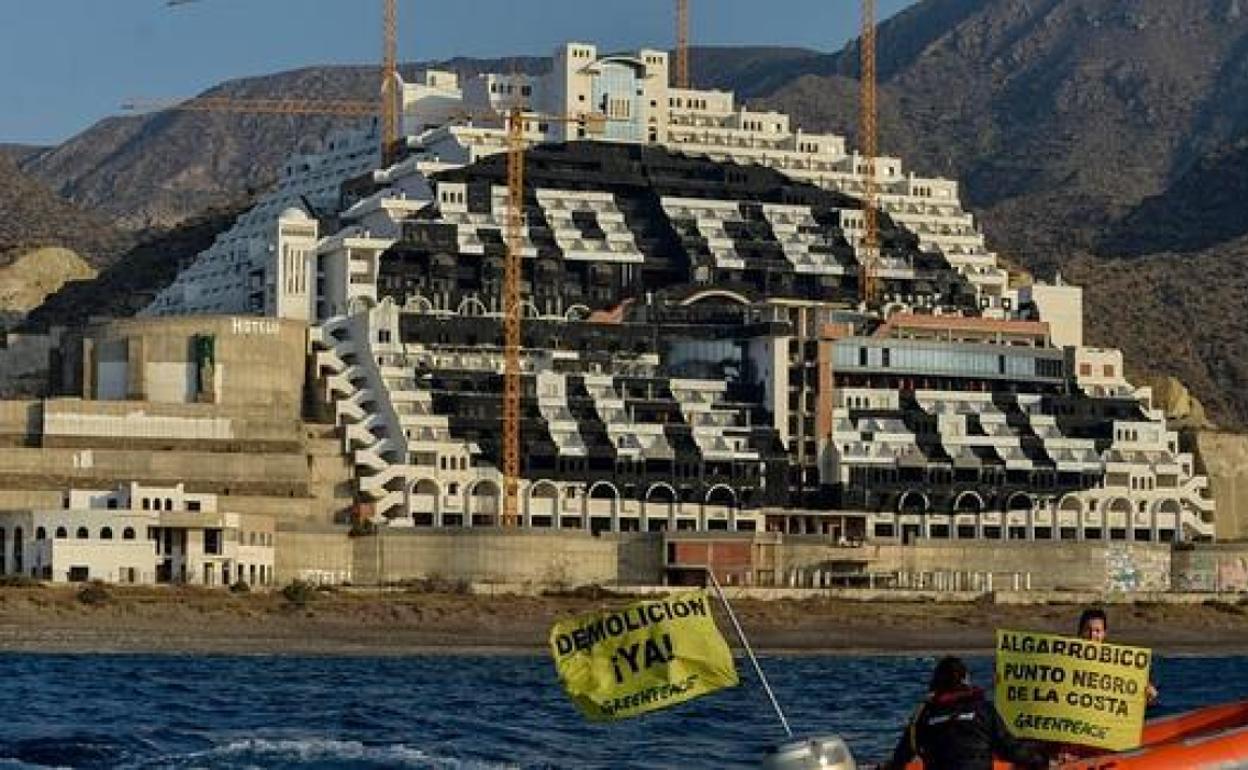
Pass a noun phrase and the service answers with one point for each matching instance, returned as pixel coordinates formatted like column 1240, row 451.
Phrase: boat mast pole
column 749, row 651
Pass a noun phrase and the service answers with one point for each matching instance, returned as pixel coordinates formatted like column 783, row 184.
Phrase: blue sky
column 66, row 63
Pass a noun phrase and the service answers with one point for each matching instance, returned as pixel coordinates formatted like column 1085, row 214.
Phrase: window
column 192, row 505
column 41, row 534
column 82, row 533
column 127, row 533
column 212, row 542
column 61, row 534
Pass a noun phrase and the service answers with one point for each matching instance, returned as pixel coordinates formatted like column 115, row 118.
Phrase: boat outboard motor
column 820, row 752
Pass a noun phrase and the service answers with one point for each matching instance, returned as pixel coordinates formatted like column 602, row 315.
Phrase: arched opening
column 603, row 506
column 968, row 501
column 41, row 534
column 127, row 533
column 472, row 307
column 1019, row 501
column 106, row 533
column 912, row 501
column 660, row 506
column 61, row 534
column 82, row 533
column 484, row 504
column 424, row 502
column 720, row 508
column 543, row 504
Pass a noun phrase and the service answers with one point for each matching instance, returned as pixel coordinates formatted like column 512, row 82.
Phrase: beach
column 421, row 621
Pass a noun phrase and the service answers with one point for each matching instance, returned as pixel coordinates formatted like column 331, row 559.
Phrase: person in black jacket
column 957, row 729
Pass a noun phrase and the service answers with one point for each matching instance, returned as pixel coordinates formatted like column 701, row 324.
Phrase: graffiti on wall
column 1128, row 570
column 1232, row 575
column 1212, row 572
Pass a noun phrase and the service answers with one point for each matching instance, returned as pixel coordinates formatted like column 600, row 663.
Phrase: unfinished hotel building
column 695, row 355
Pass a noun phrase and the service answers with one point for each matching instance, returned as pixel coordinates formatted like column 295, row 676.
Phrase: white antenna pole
column 749, row 651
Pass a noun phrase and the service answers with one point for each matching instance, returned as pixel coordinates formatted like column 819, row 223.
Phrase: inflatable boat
column 1212, row 738
column 1204, row 739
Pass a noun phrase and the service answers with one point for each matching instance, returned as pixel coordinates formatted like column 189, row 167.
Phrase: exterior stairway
column 372, row 434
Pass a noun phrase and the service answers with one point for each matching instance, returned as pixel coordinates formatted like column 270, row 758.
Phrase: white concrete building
column 448, row 124
column 138, row 535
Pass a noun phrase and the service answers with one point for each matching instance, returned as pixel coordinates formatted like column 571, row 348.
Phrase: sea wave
column 266, row 753
column 454, row 713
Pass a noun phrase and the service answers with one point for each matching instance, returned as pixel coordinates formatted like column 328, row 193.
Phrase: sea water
column 143, row 711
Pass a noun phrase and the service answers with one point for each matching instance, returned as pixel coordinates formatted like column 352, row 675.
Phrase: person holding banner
column 956, row 728
column 1094, row 626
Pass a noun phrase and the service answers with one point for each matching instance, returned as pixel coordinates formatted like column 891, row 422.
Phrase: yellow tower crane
column 512, row 331
column 869, row 281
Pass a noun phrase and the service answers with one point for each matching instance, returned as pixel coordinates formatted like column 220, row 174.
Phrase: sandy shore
column 406, row 622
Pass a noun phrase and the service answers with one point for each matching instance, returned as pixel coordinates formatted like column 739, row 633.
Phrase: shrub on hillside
column 94, row 593
column 299, row 592
column 240, row 587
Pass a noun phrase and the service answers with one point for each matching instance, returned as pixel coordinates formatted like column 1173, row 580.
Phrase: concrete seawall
column 927, row 571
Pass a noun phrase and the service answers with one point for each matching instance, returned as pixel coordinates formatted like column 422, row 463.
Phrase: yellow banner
column 1054, row 688
column 646, row 656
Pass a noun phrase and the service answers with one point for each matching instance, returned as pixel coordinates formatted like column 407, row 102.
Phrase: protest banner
column 642, row 657
column 1054, row 688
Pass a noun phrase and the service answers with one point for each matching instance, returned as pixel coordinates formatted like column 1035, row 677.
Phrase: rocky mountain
column 1085, row 133
column 20, row 152
column 157, row 169
column 32, row 216
column 1060, row 116
column 129, row 284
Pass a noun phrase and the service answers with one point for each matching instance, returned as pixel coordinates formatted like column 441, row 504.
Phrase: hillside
column 20, row 152
column 1179, row 314
column 1060, row 116
column 128, row 285
column 1083, row 132
column 155, row 170
column 32, row 216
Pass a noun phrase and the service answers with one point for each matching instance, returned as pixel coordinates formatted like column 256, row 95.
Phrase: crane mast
column 511, row 318
column 391, row 89
column 869, row 145
column 682, row 43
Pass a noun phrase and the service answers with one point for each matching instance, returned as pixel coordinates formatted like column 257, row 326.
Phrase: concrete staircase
column 370, row 430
